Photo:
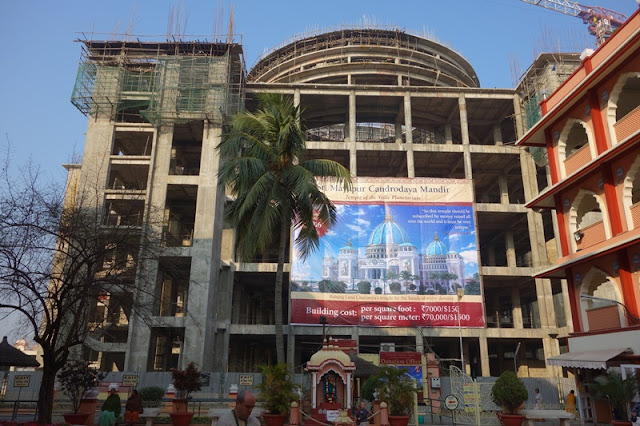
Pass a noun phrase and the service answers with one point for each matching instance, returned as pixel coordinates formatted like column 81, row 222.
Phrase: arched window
column 599, row 309
column 631, row 195
column 573, row 152
column 623, row 107
column 588, row 221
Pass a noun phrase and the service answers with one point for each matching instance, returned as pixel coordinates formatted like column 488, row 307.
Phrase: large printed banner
column 397, row 256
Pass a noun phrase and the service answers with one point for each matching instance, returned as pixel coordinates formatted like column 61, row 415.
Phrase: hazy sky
column 39, row 56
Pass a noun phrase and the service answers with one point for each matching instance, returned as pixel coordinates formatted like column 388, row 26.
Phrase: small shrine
column 332, row 381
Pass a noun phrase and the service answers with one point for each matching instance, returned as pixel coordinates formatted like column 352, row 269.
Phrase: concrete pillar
column 566, row 304
column 353, row 150
column 223, row 319
column 545, row 303
column 398, row 128
column 516, row 309
column 205, row 255
column 497, row 134
column 464, row 128
column 518, row 114
column 484, row 357
column 551, row 347
column 448, row 134
column 296, row 100
column 504, row 189
column 511, row 250
column 408, row 126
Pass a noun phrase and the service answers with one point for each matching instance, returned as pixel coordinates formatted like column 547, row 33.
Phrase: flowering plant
column 76, row 377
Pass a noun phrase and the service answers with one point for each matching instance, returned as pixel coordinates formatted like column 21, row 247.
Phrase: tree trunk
column 284, row 236
column 45, row 396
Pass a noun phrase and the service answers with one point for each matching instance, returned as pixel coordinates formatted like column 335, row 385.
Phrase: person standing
column 363, row 414
column 133, row 408
column 539, row 400
column 111, row 408
column 241, row 414
column 570, row 402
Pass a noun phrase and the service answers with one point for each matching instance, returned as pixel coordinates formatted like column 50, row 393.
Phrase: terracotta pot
column 274, row 419
column 75, row 418
column 398, row 420
column 511, row 419
column 181, row 419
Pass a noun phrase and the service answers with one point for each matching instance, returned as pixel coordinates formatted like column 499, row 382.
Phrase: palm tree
column 275, row 187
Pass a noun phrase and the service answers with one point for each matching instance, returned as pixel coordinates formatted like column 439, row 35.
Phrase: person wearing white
column 241, row 414
column 538, row 405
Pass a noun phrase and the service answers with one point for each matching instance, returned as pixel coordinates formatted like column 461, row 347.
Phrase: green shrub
column 378, row 290
column 395, row 287
column 364, row 287
column 151, row 395
column 509, row 392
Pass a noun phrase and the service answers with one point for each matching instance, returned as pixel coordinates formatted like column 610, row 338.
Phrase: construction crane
column 602, row 22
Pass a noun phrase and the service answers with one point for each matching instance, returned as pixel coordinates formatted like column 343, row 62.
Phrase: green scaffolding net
column 165, row 90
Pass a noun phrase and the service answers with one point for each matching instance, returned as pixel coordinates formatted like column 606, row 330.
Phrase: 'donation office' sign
column 397, row 256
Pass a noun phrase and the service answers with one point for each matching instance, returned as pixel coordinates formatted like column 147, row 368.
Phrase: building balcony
column 577, row 159
column 635, row 215
column 604, row 317
column 591, row 235
column 627, row 125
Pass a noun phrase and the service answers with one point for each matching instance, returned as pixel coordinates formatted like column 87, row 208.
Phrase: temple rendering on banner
column 389, row 253
column 437, row 240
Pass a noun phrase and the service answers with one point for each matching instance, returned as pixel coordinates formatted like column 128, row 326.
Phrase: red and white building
column 590, row 128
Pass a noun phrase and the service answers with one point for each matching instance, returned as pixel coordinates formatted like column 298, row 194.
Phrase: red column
column 597, row 122
column 574, row 301
column 611, row 197
column 563, row 227
column 627, row 282
column 554, row 171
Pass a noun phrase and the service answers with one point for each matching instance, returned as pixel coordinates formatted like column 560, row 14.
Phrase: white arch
column 562, row 142
column 627, row 191
column 593, row 274
column 612, row 106
column 573, row 215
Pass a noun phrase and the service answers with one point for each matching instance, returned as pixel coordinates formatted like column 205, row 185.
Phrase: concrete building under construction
column 382, row 102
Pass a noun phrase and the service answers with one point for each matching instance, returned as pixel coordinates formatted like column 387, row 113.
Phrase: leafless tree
column 67, row 267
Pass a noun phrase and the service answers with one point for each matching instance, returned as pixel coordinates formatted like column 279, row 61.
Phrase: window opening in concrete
column 173, row 286
column 128, row 177
column 179, row 215
column 186, row 149
column 530, row 308
column 166, row 348
column 558, row 302
column 124, row 213
column 382, row 164
column 132, row 143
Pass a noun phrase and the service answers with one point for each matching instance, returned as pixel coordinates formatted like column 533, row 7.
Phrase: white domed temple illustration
column 391, row 256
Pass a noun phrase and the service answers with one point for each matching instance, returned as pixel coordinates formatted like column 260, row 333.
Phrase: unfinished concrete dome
column 365, row 56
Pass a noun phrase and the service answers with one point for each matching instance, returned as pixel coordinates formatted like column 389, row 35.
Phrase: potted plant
column 151, row 399
column 618, row 391
column 277, row 391
column 76, row 378
column 185, row 381
column 397, row 389
column 510, row 394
